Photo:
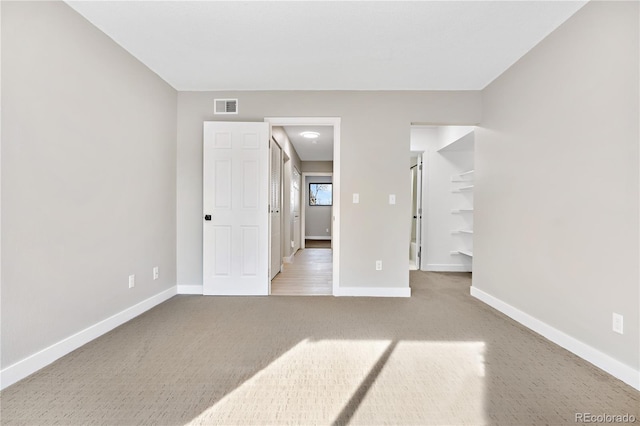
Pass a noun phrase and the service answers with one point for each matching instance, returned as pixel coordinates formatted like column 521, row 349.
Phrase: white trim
column 326, row 121
column 41, row 359
column 190, row 289
column 447, row 267
column 325, row 238
column 288, row 259
column 374, row 291
column 601, row 360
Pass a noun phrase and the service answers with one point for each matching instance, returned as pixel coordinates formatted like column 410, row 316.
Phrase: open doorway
column 447, row 196
column 317, row 210
column 309, row 150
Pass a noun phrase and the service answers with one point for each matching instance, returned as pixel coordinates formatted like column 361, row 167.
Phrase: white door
column 275, row 208
column 235, row 202
column 418, row 213
column 295, row 209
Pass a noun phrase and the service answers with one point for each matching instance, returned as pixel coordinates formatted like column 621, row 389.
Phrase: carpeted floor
column 439, row 357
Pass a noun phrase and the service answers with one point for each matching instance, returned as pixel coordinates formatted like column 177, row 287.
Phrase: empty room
column 176, row 250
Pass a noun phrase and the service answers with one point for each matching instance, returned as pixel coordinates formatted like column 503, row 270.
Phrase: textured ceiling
column 320, row 45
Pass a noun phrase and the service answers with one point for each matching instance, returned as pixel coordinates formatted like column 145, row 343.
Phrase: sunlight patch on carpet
column 436, row 383
column 363, row 381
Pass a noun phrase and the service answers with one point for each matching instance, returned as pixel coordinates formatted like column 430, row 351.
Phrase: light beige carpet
column 439, row 357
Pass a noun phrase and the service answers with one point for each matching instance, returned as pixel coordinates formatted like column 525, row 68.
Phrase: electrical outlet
column 156, row 273
column 392, row 198
column 327, row 230
column 132, row 281
column 356, row 198
column 618, row 324
column 292, row 244
column 378, row 265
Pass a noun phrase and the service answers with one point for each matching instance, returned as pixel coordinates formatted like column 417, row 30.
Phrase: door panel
column 250, row 184
column 223, row 181
column 249, row 255
column 236, row 196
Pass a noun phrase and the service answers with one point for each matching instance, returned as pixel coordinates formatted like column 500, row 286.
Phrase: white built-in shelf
column 465, row 188
column 463, row 177
column 466, row 231
column 466, row 253
column 462, row 211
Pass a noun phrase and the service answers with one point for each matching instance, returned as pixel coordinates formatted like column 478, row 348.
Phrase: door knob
column 207, row 217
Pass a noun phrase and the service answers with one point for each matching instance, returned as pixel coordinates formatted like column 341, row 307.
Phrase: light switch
column 356, row 198
column 392, row 198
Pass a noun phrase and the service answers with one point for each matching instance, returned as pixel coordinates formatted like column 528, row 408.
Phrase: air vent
column 225, row 106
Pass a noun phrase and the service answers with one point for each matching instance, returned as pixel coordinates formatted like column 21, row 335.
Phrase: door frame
column 419, row 206
column 273, row 141
column 299, row 211
column 323, row 121
column 303, row 207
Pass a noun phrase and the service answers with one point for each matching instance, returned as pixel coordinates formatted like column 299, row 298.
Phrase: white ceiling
column 321, row 45
column 320, row 149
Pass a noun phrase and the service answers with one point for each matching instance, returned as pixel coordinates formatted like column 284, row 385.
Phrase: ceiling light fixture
column 310, row 135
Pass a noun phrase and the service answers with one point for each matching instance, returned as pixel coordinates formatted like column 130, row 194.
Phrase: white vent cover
column 225, row 106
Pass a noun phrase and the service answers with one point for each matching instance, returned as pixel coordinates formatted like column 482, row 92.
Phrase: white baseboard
column 447, row 267
column 288, row 259
column 603, row 361
column 319, row 238
column 35, row 362
column 374, row 291
column 190, row 289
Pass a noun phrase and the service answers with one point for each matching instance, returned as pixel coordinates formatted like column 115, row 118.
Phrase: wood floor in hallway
column 310, row 274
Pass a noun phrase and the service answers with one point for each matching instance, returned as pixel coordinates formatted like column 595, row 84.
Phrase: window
column 320, row 194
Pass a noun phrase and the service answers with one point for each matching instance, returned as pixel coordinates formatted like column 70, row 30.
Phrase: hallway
column 310, row 274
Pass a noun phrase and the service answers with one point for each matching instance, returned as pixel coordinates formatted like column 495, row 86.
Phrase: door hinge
column 420, row 167
column 420, row 211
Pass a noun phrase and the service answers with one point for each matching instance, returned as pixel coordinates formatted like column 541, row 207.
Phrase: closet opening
column 442, row 175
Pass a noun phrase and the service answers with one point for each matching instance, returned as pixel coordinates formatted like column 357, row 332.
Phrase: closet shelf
column 463, row 189
column 463, row 177
column 466, row 253
column 454, row 211
column 466, row 231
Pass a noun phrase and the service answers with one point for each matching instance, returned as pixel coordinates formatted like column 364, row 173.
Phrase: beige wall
column 317, row 166
column 374, row 154
column 88, row 177
column 557, row 181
